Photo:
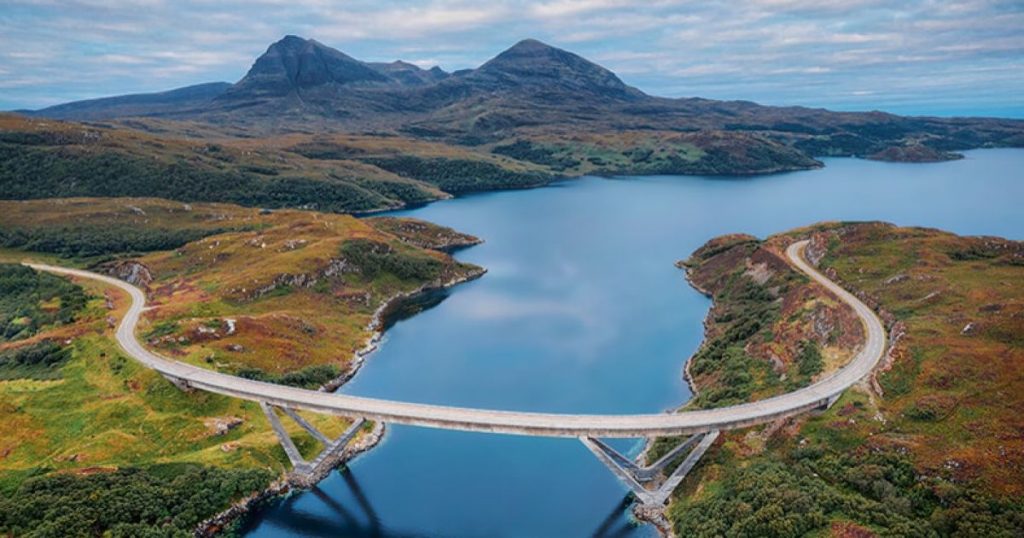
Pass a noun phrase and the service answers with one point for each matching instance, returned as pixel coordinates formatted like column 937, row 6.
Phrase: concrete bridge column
column 182, row 384
column 832, row 400
column 635, row 476
column 302, row 469
column 298, row 463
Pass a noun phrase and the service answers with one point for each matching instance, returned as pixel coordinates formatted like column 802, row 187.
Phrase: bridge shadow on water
column 614, row 525
column 330, row 517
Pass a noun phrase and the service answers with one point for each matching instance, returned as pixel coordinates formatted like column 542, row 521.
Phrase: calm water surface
column 583, row 311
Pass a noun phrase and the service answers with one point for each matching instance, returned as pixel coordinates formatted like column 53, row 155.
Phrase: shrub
column 816, row 486
column 33, row 171
column 373, row 258
column 27, row 297
column 459, row 175
column 525, row 150
column 810, row 362
column 41, row 360
column 309, row 377
column 161, row 500
column 88, row 241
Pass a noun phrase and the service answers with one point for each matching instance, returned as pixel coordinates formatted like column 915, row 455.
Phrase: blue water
column 582, row 310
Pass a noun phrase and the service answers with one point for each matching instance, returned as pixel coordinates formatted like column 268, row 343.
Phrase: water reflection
column 615, row 525
column 583, row 310
column 330, row 517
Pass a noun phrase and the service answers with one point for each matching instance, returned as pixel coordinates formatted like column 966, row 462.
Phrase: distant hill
column 296, row 73
column 528, row 90
column 310, row 126
column 176, row 101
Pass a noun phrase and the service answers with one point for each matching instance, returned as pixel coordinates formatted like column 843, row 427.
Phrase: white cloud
column 566, row 8
column 767, row 50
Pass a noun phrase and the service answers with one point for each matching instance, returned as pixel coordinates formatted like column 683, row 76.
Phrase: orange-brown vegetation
column 286, row 296
column 930, row 446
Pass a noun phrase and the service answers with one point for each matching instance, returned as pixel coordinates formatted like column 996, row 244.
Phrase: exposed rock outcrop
column 131, row 271
column 335, row 266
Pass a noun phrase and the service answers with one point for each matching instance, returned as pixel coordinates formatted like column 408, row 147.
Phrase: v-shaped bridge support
column 332, row 447
column 635, row 476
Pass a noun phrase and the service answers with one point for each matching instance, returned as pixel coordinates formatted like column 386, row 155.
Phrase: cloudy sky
column 919, row 57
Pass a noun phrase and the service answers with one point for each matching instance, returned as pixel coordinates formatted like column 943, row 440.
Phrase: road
column 512, row 422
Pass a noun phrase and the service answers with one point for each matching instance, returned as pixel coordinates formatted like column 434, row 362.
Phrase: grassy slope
column 30, row 302
column 328, row 170
column 340, row 172
column 275, row 278
column 106, row 412
column 655, row 152
column 765, row 314
column 934, row 450
column 336, row 173
column 272, row 282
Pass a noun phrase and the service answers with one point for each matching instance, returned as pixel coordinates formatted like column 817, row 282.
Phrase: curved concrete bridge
column 703, row 424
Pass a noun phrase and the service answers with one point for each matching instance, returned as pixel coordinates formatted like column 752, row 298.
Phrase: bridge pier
column 302, row 469
column 635, row 476
column 830, row 401
column 182, row 384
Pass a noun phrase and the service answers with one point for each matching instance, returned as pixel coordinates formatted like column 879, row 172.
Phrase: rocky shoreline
column 376, row 325
column 656, row 516
column 288, row 483
column 285, row 485
column 815, row 252
column 687, row 376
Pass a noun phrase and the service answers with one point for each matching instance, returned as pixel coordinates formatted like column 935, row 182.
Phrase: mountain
column 409, row 74
column 535, row 65
column 177, row 101
column 295, row 65
column 536, row 97
column 299, row 77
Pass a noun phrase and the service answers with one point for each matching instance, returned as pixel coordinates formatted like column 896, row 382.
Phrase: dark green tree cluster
column 525, row 150
column 737, row 380
column 30, row 300
column 747, row 308
column 166, row 500
column 839, row 145
column 458, row 176
column 373, row 259
column 41, row 360
column 309, row 377
column 327, row 151
column 809, row 362
column 812, row 487
column 88, row 241
column 407, row 192
column 974, row 252
column 30, row 172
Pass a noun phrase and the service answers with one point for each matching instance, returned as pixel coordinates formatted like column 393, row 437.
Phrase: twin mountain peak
column 294, row 64
column 533, row 89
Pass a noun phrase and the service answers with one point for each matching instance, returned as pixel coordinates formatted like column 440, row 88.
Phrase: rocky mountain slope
column 175, row 101
column 311, row 127
column 529, row 89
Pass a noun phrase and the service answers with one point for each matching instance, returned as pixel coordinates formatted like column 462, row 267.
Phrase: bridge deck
column 512, row 422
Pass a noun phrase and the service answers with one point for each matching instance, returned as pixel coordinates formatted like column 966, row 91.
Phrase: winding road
column 511, row 422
